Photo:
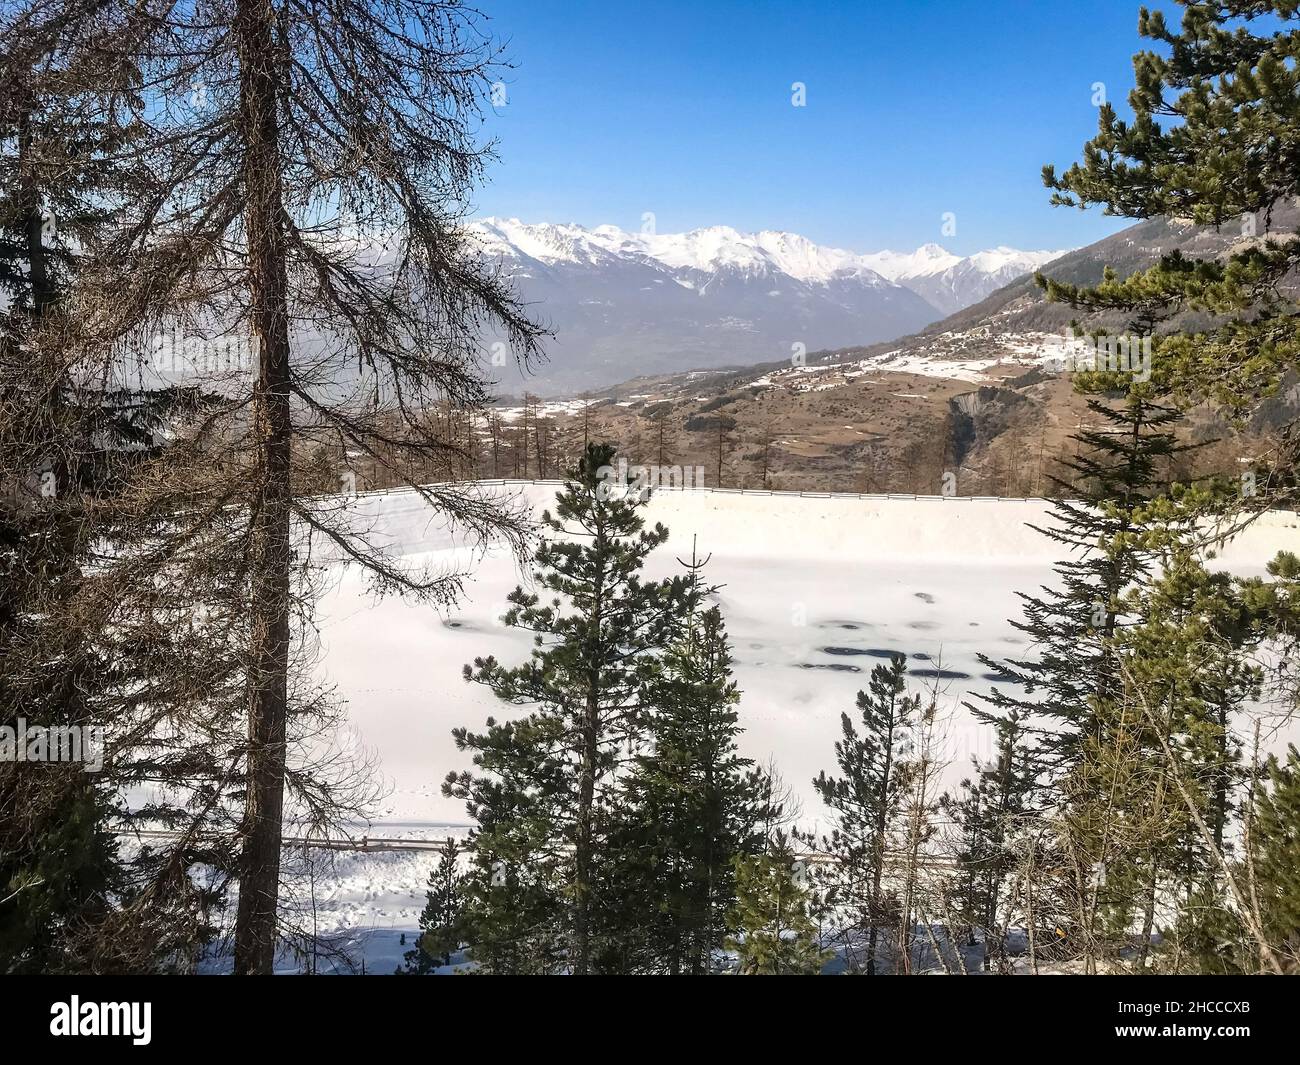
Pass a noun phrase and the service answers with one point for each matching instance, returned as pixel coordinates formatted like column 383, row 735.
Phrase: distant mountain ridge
column 626, row 303
column 1012, row 340
column 951, row 282
column 1016, row 319
column 981, row 392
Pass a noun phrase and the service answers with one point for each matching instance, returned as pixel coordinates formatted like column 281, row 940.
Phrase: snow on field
column 816, row 590
column 942, row 357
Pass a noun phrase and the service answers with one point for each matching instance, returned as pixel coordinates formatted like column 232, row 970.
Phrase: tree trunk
column 269, row 573
column 1149, row 910
column 29, row 196
column 582, row 846
column 1148, row 914
column 907, row 930
column 590, row 741
column 878, row 858
column 1221, row 777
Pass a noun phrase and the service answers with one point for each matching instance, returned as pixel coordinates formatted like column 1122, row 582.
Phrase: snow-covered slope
column 815, row 591
column 626, row 303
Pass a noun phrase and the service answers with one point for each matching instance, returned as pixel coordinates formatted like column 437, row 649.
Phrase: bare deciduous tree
column 311, row 162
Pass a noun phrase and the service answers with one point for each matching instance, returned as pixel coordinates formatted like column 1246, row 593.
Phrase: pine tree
column 547, row 785
column 1274, row 857
column 1211, row 141
column 1116, row 469
column 517, row 915
column 864, row 802
column 1187, row 664
column 985, row 809
column 775, row 935
column 440, row 920
column 690, row 804
column 1152, row 737
column 1083, row 755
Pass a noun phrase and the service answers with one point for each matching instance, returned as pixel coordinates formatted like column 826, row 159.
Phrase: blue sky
column 915, row 108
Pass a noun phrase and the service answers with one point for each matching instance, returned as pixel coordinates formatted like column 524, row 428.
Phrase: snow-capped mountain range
column 950, row 282
column 626, row 303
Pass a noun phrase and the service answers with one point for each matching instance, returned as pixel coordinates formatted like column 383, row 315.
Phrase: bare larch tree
column 313, row 161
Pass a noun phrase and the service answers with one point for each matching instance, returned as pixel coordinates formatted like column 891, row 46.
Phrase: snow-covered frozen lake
column 816, row 590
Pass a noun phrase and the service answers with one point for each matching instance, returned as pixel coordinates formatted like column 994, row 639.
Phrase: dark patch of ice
column 838, row 667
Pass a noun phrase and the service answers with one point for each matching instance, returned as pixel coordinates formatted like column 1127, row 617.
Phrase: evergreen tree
column 775, row 935
column 1211, row 140
column 1148, row 755
column 546, row 794
column 1187, row 667
column 690, row 804
column 1214, row 121
column 864, row 803
column 440, row 920
column 984, row 810
column 517, row 915
column 1085, row 757
column 1275, row 857
column 1116, row 469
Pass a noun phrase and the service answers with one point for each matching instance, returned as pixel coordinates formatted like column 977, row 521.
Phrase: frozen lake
column 816, row 591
